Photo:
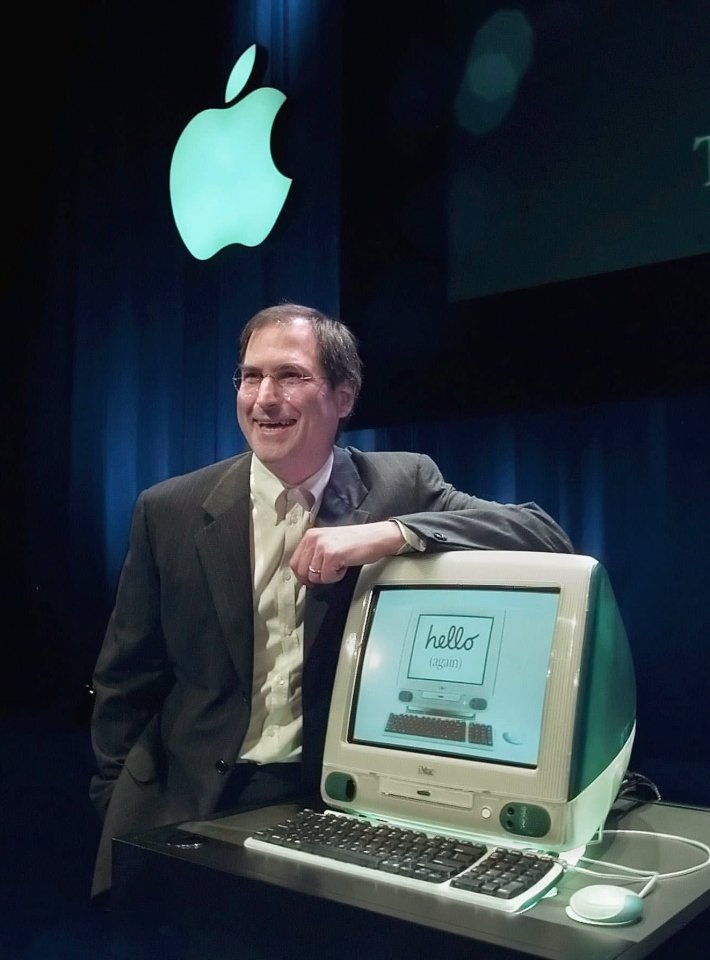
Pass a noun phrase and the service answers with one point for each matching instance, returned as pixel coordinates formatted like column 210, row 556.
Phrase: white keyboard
column 501, row 878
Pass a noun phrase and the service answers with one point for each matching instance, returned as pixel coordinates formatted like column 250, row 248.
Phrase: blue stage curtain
column 132, row 371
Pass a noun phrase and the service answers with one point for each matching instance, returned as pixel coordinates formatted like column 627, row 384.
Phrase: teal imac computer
column 489, row 693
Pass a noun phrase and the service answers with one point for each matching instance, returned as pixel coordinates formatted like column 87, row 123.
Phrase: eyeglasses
column 289, row 382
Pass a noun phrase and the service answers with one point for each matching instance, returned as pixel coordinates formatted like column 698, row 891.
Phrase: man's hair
column 337, row 346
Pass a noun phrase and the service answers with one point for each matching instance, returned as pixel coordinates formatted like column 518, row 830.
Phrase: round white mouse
column 605, row 903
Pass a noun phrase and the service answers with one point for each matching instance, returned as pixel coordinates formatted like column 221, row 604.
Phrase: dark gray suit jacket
column 173, row 678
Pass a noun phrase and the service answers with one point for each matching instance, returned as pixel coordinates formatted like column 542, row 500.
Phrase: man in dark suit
column 212, row 685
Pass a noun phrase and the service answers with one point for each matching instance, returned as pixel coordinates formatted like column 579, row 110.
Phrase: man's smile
column 273, row 426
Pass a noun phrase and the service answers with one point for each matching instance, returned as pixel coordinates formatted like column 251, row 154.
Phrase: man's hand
column 325, row 553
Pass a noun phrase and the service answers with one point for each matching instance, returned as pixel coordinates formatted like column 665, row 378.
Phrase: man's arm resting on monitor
column 325, row 553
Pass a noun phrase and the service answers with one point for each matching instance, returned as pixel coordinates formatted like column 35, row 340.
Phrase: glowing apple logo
column 224, row 185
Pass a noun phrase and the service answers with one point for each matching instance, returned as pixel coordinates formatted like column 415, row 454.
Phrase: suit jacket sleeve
column 452, row 520
column 132, row 673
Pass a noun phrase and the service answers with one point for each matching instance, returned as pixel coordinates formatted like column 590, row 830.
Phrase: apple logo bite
column 224, row 185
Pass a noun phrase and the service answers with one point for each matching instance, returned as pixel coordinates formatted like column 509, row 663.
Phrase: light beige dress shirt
column 279, row 518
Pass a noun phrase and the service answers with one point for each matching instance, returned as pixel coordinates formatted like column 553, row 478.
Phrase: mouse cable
column 649, row 875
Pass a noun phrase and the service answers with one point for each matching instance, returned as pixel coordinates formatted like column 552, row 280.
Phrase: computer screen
column 490, row 692
column 453, row 686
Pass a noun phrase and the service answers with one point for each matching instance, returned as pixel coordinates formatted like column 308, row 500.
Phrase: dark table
column 221, row 900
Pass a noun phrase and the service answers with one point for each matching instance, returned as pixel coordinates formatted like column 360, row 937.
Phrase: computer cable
column 635, row 875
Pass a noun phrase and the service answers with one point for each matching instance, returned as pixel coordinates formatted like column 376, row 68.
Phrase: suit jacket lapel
column 224, row 550
column 223, row 547
column 343, row 494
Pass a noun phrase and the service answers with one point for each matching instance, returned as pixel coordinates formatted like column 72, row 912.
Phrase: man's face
column 291, row 433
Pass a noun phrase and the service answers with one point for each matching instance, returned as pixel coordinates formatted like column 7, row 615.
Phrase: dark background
column 589, row 208
column 588, row 393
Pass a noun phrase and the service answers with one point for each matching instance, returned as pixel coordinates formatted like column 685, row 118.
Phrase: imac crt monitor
column 487, row 693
